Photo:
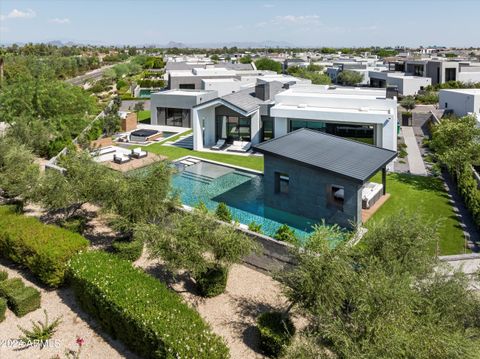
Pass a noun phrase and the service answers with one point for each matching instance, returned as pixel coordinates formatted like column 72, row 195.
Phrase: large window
column 267, row 128
column 186, row 86
column 450, row 75
column 177, row 117
column 233, row 128
column 362, row 133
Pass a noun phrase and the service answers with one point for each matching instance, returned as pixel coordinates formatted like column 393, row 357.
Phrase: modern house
column 405, row 84
column 273, row 109
column 461, row 101
column 323, row 177
column 173, row 107
column 439, row 70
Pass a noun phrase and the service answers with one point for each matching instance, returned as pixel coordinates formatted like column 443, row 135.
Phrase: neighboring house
column 322, row 177
column 361, row 66
column 274, row 108
column 440, row 70
column 461, row 101
column 406, row 85
column 174, row 107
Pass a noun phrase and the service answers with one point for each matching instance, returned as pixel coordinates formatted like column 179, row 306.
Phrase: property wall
column 309, row 193
column 129, row 123
column 409, row 85
column 468, row 76
column 460, row 103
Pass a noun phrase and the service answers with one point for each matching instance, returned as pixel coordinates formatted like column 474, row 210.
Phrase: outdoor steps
column 197, row 177
column 184, row 142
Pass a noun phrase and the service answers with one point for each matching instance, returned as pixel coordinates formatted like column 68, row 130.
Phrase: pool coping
column 219, row 163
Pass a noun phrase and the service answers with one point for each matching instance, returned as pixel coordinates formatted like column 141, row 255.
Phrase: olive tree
column 198, row 243
column 388, row 297
column 19, row 173
column 350, row 78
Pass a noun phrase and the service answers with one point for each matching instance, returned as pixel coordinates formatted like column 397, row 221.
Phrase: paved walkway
column 415, row 160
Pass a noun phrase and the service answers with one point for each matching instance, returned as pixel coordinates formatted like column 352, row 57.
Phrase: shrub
column 139, row 310
column 255, row 227
column 3, row 275
column 21, row 300
column 212, row 282
column 43, row 249
column 285, row 234
column 223, row 212
column 40, row 332
column 276, row 332
column 408, row 102
column 129, row 250
column 75, row 224
column 3, row 309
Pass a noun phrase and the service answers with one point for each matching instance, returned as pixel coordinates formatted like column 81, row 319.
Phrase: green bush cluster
column 75, row 224
column 223, row 213
column 3, row 309
column 139, row 310
column 285, row 234
column 43, row 249
column 212, row 282
column 276, row 331
column 20, row 299
column 3, row 275
column 151, row 83
column 468, row 188
column 129, row 250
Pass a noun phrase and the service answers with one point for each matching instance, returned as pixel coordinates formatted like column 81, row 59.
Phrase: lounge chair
column 120, row 158
column 138, row 153
column 218, row 146
column 371, row 193
column 240, row 146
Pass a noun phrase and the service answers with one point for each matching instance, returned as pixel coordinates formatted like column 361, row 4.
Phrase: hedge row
column 3, row 309
column 468, row 188
column 44, row 249
column 130, row 250
column 21, row 300
column 139, row 310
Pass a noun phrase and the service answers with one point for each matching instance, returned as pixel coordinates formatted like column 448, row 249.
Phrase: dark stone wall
column 309, row 193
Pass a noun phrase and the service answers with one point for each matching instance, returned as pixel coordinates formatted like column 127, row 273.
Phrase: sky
column 335, row 23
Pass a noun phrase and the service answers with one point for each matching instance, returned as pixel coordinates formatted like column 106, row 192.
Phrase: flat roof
column 183, row 92
column 351, row 159
column 465, row 91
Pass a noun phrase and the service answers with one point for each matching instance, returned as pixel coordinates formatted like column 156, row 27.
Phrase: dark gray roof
column 244, row 100
column 351, row 159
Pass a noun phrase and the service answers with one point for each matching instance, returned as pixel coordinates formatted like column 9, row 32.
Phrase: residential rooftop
column 351, row 159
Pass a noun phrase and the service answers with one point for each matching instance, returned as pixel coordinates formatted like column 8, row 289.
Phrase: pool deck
column 135, row 163
column 368, row 213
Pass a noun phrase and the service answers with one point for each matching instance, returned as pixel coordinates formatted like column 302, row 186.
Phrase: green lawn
column 417, row 195
column 144, row 116
column 253, row 162
column 426, row 197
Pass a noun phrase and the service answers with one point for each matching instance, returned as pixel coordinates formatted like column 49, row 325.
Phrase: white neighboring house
column 461, row 101
column 406, row 84
column 273, row 109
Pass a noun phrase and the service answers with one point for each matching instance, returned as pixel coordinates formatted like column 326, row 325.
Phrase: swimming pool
column 240, row 190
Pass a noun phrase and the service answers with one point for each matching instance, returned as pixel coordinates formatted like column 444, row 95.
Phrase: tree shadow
column 68, row 298
column 423, row 183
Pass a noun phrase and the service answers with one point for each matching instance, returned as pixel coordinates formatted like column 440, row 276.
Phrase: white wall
column 459, row 102
column 203, row 124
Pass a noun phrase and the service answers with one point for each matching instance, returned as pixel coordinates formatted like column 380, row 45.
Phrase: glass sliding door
column 232, row 128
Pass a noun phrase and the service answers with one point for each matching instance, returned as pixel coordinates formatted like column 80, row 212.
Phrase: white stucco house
column 461, row 101
column 273, row 108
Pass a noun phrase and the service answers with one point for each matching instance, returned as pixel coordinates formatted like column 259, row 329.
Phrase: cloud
column 291, row 20
column 297, row 19
column 18, row 14
column 56, row 20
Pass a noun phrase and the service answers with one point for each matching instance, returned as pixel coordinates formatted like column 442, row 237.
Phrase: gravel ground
column 232, row 314
column 74, row 323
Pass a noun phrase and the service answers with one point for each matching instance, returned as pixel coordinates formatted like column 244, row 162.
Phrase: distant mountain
column 239, row 44
column 179, row 45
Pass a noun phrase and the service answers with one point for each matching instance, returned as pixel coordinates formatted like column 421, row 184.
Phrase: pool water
column 241, row 191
